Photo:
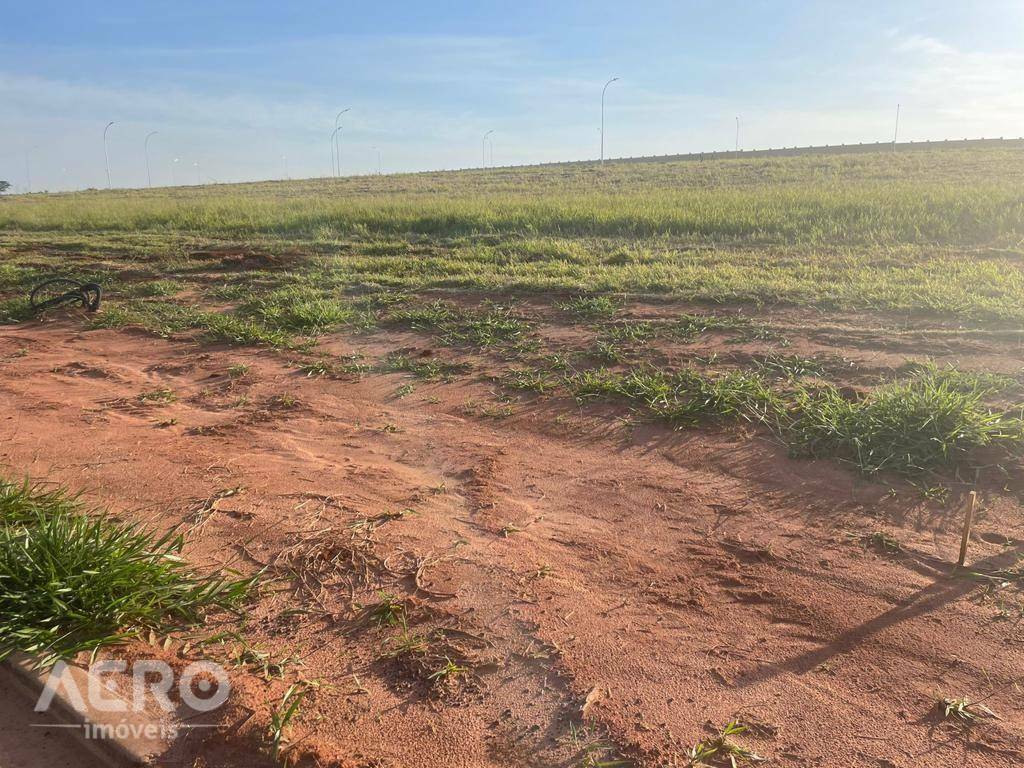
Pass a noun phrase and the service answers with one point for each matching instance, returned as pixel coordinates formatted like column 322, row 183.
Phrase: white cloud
column 926, row 45
column 971, row 93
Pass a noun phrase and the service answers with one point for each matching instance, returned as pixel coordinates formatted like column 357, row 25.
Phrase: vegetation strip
column 936, row 232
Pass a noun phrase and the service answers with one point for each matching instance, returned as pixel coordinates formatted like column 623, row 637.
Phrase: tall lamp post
column 106, row 156
column 602, row 115
column 737, row 134
column 145, row 145
column 483, row 149
column 336, row 142
column 333, row 164
column 896, row 130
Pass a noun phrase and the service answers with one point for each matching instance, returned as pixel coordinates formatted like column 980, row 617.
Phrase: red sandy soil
column 649, row 583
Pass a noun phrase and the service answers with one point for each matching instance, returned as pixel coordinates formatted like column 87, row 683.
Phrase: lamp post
column 145, row 145
column 483, row 149
column 106, row 156
column 896, row 130
column 737, row 134
column 334, row 133
column 602, row 115
column 336, row 142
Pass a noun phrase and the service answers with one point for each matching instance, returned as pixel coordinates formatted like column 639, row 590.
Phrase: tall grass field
column 936, row 231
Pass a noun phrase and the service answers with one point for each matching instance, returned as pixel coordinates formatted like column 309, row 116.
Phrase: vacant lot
column 559, row 466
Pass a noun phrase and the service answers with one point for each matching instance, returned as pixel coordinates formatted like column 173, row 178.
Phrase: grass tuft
column 906, row 426
column 723, row 750
column 298, row 310
column 590, row 307
column 72, row 581
column 963, row 710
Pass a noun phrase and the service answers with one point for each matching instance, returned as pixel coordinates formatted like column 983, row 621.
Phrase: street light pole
column 483, row 149
column 333, row 165
column 737, row 134
column 896, row 131
column 106, row 157
column 336, row 143
column 145, row 144
column 602, row 115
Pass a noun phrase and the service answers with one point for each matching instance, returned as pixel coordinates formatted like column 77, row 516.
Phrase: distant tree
column 4, row 186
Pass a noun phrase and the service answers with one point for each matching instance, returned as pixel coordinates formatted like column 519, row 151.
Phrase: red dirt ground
column 649, row 583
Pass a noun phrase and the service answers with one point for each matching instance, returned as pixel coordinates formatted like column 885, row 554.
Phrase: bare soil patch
column 603, row 591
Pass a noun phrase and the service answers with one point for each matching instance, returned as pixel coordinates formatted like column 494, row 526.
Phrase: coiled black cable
column 86, row 295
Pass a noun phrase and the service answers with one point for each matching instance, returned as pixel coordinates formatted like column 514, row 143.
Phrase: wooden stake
column 968, row 519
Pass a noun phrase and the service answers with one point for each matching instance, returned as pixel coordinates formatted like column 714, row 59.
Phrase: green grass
column 590, row 307
column 684, row 396
column 15, row 310
column 166, row 319
column 161, row 396
column 853, row 209
column 722, row 749
column 388, row 611
column 487, row 326
column 298, row 310
column 282, row 716
column 424, row 368
column 154, row 288
column 528, row 379
column 687, row 328
column 927, row 233
column 963, row 710
column 495, row 325
column 448, row 672
column 632, row 332
column 788, row 366
column 907, row 426
column 935, row 232
column 982, row 382
column 350, row 366
column 73, row 580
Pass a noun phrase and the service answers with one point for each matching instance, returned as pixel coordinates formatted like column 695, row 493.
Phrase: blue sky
column 249, row 90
